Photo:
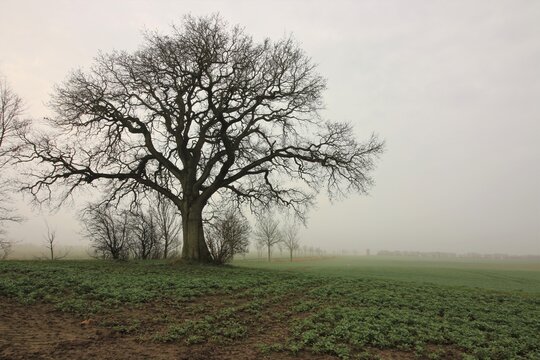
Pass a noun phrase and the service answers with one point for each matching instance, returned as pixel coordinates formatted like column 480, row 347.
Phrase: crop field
column 342, row 308
column 506, row 275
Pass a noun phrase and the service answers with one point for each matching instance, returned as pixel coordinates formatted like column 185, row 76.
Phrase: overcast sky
column 452, row 86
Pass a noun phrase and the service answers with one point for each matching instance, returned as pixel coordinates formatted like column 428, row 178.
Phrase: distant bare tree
column 259, row 246
column 50, row 240
column 281, row 247
column 227, row 236
column 108, row 230
column 204, row 112
column 5, row 248
column 290, row 239
column 267, row 233
column 51, row 244
column 168, row 221
column 11, row 126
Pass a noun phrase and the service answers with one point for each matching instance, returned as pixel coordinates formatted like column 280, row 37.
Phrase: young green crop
column 284, row 311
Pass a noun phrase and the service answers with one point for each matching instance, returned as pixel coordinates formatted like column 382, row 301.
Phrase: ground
column 41, row 332
column 317, row 309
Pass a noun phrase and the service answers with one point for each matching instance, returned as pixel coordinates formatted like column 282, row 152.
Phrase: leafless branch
column 203, row 112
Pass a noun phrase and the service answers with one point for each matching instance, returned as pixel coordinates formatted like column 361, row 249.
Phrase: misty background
column 453, row 88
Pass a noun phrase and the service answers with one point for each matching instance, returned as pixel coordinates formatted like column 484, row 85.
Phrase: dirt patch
column 446, row 352
column 150, row 318
column 38, row 331
column 392, row 354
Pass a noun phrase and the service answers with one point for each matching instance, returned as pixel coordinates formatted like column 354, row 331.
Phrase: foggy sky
column 452, row 86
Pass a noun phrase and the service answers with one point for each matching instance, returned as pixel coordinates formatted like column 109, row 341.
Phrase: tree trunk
column 166, row 247
column 194, row 247
column 291, row 254
column 268, row 253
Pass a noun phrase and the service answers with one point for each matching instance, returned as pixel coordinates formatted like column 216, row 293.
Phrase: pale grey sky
column 453, row 87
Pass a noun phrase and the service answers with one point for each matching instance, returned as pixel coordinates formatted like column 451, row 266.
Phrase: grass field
column 506, row 275
column 328, row 308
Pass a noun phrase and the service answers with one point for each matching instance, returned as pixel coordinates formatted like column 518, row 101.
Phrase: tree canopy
column 204, row 112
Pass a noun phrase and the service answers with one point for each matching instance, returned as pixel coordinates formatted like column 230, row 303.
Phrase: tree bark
column 166, row 247
column 194, row 247
column 268, row 253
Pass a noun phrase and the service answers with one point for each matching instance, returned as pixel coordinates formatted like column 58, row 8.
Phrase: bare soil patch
column 38, row 331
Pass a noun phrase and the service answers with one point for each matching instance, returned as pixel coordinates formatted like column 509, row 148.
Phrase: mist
column 453, row 89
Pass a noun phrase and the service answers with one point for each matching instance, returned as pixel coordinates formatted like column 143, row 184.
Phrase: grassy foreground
column 353, row 311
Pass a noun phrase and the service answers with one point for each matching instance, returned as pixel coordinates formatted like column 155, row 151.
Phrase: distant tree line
column 434, row 254
column 439, row 254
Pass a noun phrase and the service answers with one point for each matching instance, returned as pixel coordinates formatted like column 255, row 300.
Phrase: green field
column 506, row 275
column 339, row 307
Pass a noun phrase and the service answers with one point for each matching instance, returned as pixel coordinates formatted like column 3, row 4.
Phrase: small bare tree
column 5, row 248
column 108, row 230
column 290, row 239
column 267, row 233
column 227, row 236
column 168, row 222
column 50, row 240
column 281, row 247
column 259, row 246
column 51, row 244
column 145, row 237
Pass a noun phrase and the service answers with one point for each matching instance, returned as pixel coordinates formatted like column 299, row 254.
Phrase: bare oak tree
column 267, row 233
column 201, row 113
